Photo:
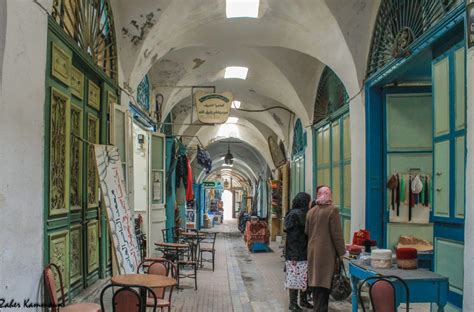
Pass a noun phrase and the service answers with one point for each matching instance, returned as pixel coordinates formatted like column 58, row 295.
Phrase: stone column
column 468, row 304
column 22, row 96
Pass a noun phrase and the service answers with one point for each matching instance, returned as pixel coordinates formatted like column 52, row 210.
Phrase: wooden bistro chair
column 208, row 246
column 127, row 298
column 382, row 293
column 192, row 261
column 59, row 304
column 161, row 267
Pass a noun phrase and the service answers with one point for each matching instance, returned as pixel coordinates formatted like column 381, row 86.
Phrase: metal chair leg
column 213, row 253
column 195, row 277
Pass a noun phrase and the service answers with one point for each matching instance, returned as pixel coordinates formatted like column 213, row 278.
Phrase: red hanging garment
column 189, row 180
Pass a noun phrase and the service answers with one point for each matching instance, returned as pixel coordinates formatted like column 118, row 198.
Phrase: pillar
column 468, row 298
column 22, row 95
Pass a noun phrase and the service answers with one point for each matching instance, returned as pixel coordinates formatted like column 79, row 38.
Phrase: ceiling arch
column 244, row 131
column 265, row 122
column 194, row 66
column 305, row 26
column 247, row 158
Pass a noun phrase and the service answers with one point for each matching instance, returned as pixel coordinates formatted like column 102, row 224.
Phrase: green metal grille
column 399, row 23
column 331, row 95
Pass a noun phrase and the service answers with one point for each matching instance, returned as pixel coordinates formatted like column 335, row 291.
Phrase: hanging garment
column 204, row 159
column 392, row 185
column 422, row 194
column 397, row 194
column 426, row 202
column 402, row 189
column 189, row 182
column 181, row 170
column 411, row 199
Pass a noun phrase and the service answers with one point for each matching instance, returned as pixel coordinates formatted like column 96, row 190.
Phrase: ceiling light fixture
column 242, row 8
column 236, row 72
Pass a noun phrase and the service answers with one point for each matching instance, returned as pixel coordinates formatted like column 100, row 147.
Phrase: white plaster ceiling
column 189, row 43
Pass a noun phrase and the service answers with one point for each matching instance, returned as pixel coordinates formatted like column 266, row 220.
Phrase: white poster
column 213, row 108
column 114, row 191
column 157, row 187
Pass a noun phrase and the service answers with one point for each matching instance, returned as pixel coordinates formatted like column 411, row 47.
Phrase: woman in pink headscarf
column 325, row 244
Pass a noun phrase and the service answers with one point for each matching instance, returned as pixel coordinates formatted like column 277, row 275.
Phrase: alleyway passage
column 242, row 281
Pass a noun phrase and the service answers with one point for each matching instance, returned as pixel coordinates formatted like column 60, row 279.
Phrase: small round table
column 192, row 235
column 147, row 280
column 172, row 251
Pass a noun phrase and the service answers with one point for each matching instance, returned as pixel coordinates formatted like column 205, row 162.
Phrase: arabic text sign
column 114, row 192
column 213, row 108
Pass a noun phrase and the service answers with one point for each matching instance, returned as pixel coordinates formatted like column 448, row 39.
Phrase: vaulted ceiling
column 184, row 43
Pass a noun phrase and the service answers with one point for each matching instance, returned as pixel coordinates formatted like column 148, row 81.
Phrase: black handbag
column 341, row 285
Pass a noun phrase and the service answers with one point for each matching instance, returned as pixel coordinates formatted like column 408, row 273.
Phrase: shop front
column 81, row 86
column 332, row 144
column 297, row 165
column 416, row 127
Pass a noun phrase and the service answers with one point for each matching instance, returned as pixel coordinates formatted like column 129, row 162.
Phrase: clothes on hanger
column 189, row 181
column 181, row 170
column 204, row 159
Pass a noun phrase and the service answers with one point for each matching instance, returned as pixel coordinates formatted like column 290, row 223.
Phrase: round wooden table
column 147, row 280
column 172, row 245
column 192, row 235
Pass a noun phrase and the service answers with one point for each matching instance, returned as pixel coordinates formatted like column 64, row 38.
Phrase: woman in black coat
column 296, row 248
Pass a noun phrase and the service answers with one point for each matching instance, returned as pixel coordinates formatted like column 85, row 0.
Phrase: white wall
column 140, row 176
column 308, row 163
column 358, row 173
column 3, row 29
column 468, row 304
column 22, row 149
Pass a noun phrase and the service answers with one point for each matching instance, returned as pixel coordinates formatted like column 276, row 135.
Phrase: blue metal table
column 424, row 285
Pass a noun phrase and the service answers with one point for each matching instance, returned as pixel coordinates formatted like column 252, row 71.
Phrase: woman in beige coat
column 325, row 243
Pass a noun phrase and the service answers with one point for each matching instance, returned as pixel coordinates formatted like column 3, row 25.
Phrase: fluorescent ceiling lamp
column 236, row 72
column 232, row 120
column 242, row 8
column 236, row 104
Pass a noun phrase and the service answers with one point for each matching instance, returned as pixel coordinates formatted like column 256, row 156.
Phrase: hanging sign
column 213, row 108
column 209, row 184
column 114, row 193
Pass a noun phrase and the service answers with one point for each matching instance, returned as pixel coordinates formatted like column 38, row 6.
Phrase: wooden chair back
column 51, row 287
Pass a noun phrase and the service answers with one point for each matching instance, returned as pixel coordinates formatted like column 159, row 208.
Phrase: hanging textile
column 181, row 170
column 204, row 159
column 189, row 182
column 408, row 194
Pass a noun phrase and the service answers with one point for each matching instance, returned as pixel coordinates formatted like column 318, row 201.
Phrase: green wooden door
column 75, row 120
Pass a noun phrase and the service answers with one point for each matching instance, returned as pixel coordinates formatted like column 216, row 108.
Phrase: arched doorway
column 228, row 199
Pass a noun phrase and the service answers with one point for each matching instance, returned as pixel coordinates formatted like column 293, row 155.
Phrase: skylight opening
column 242, row 8
column 236, row 104
column 232, row 120
column 236, row 72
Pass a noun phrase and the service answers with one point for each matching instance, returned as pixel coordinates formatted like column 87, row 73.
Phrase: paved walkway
column 242, row 281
